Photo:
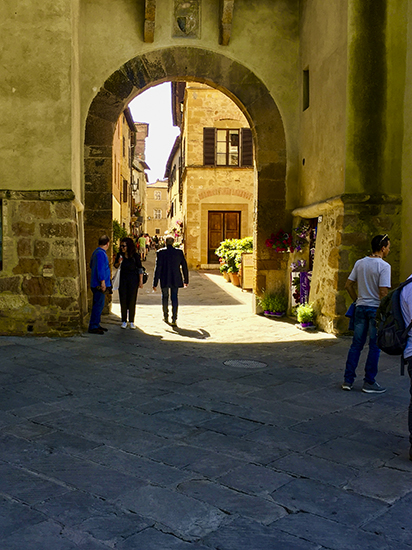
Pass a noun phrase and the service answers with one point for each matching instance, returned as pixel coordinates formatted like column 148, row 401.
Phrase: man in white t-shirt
column 406, row 306
column 372, row 277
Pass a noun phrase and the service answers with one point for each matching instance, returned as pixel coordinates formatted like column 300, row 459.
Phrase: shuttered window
column 209, row 138
column 227, row 147
column 247, row 147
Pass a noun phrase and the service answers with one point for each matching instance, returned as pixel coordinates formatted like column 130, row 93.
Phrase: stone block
column 65, row 268
column 24, row 248
column 333, row 258
column 38, row 286
column 10, row 284
column 64, row 248
column 69, row 287
column 27, row 266
column 23, row 229
column 50, row 230
column 41, row 249
column 34, row 209
column 62, row 303
column 355, row 239
column 344, row 260
column 43, row 301
column 64, row 210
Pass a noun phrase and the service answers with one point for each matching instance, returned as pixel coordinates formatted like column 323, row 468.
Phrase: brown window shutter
column 125, row 190
column 247, row 147
column 209, row 146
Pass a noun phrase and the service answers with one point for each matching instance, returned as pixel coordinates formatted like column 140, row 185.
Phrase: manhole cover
column 245, row 364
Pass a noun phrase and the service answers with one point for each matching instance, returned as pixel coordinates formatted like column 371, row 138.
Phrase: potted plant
column 224, row 271
column 305, row 315
column 274, row 304
column 230, row 253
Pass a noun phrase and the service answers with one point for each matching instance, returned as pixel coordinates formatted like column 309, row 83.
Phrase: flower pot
column 269, row 314
column 234, row 278
column 226, row 276
column 307, row 326
column 274, row 314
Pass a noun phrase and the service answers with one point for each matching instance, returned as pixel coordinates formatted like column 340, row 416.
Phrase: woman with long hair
column 131, row 279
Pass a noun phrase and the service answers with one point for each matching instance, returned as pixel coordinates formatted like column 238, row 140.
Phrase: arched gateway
column 230, row 77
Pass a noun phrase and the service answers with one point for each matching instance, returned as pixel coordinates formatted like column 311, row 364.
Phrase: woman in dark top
column 131, row 279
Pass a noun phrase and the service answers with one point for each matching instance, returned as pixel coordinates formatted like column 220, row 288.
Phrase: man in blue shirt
column 99, row 282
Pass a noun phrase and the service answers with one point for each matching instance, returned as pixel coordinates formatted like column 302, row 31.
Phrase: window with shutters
column 157, row 214
column 158, row 195
column 227, row 147
column 125, row 193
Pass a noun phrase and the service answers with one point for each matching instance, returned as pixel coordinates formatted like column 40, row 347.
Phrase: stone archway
column 222, row 73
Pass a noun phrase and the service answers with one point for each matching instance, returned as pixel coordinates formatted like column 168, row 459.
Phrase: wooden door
column 221, row 226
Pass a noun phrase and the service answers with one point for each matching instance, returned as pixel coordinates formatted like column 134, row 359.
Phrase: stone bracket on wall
column 149, row 20
column 226, row 18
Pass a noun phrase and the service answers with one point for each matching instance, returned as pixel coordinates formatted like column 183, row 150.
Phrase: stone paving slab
column 229, row 432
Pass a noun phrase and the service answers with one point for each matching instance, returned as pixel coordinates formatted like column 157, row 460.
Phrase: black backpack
column 392, row 332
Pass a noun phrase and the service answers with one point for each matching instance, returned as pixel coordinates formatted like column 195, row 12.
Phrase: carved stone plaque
column 186, row 19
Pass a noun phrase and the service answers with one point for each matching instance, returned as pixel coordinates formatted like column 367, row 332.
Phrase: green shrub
column 305, row 313
column 274, row 302
column 118, row 233
column 231, row 250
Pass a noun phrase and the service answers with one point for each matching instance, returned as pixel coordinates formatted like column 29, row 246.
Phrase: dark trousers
column 408, row 364
column 364, row 325
column 173, row 290
column 97, row 308
column 128, row 296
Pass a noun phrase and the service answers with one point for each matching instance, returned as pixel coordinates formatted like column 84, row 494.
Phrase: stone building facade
column 124, row 141
column 210, row 182
column 155, row 206
column 325, row 88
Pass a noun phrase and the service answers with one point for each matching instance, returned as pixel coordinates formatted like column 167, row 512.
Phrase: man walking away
column 99, row 282
column 372, row 276
column 142, row 247
column 406, row 306
column 170, row 263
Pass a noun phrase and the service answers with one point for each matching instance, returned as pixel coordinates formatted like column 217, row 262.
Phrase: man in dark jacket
column 170, row 263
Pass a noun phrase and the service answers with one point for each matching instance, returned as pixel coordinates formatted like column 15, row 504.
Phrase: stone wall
column 40, row 280
column 349, row 223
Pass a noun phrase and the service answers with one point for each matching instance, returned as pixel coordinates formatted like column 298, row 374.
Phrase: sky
column 154, row 106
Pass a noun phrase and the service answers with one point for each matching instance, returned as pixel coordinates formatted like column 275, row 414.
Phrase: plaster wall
column 272, row 27
column 323, row 52
column 406, row 244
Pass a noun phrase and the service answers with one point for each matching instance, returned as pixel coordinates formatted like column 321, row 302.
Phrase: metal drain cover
column 245, row 364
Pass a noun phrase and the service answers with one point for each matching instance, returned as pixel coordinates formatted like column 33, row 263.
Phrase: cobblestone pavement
column 230, row 432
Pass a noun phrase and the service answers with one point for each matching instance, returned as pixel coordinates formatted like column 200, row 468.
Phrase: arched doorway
column 235, row 80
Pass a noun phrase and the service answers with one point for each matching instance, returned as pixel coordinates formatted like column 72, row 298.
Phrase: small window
column 124, row 190
column 305, row 89
column 157, row 214
column 158, row 195
column 157, row 231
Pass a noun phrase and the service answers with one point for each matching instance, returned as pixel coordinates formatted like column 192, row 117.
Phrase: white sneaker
column 133, row 326
column 123, row 325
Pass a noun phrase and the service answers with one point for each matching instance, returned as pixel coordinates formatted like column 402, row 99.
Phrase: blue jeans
column 165, row 301
column 364, row 324
column 97, row 308
column 408, row 364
